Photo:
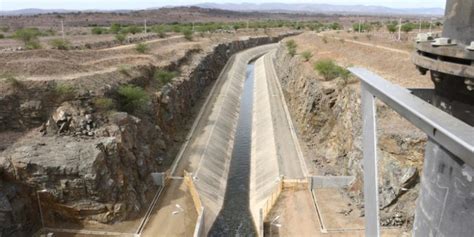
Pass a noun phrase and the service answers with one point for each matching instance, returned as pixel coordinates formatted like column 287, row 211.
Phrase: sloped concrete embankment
column 327, row 117
column 212, row 172
column 102, row 174
column 265, row 175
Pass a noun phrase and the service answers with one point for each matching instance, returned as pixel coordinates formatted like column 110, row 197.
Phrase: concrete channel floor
column 297, row 216
column 174, row 214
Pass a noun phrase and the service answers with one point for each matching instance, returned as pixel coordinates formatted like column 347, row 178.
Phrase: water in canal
column 235, row 218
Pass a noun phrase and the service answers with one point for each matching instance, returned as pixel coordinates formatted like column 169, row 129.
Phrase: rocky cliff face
column 86, row 164
column 328, row 119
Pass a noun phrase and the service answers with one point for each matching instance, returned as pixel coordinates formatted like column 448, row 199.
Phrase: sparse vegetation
column 104, row 104
column 121, row 37
column 162, row 34
column 133, row 30
column 392, row 27
column 60, row 44
column 362, row 27
column 124, row 69
column 4, row 28
column 64, row 91
column 335, row 26
column 188, row 34
column 408, row 27
column 141, row 48
column 163, row 76
column 307, row 55
column 325, row 39
column 330, row 70
column 291, row 47
column 29, row 36
column 12, row 80
column 132, row 98
column 2, row 36
column 115, row 28
column 369, row 36
column 98, row 31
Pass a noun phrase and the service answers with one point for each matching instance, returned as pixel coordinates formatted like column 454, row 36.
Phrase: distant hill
column 268, row 7
column 32, row 11
column 323, row 8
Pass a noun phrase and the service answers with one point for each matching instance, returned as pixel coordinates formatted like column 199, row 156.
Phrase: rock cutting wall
column 328, row 118
column 95, row 165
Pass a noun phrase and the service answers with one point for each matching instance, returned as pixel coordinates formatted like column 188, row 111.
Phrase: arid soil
column 328, row 118
column 163, row 15
column 392, row 65
column 89, row 164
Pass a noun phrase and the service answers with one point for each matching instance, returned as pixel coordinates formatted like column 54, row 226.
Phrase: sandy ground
column 337, row 210
column 174, row 215
column 294, row 214
column 390, row 62
column 46, row 64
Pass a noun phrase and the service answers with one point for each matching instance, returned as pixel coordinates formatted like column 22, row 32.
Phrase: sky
column 6, row 5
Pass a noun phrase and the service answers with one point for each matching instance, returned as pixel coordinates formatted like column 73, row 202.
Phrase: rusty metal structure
column 445, row 206
column 450, row 60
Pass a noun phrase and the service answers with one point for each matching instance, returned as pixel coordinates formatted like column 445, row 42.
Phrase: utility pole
column 431, row 24
column 62, row 28
column 419, row 30
column 360, row 25
column 400, row 29
column 193, row 26
column 145, row 26
column 247, row 25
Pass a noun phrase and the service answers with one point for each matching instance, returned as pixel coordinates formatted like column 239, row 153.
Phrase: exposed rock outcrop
column 95, row 165
column 328, row 119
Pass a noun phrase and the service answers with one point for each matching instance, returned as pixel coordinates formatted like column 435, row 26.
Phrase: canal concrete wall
column 211, row 174
column 264, row 170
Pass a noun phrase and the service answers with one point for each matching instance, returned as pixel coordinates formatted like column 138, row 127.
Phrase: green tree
column 132, row 98
column 188, row 34
column 330, row 70
column 141, row 48
column 121, row 37
column 392, row 28
column 134, row 29
column 407, row 27
column 164, row 76
column 61, row 44
column 29, row 36
column 115, row 28
column 364, row 27
column 98, row 30
column 291, row 47
column 307, row 55
column 335, row 26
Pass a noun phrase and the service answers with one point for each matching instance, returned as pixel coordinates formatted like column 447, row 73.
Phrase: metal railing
column 451, row 133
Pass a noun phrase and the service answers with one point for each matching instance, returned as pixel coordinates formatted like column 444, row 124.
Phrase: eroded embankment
column 95, row 163
column 328, row 120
